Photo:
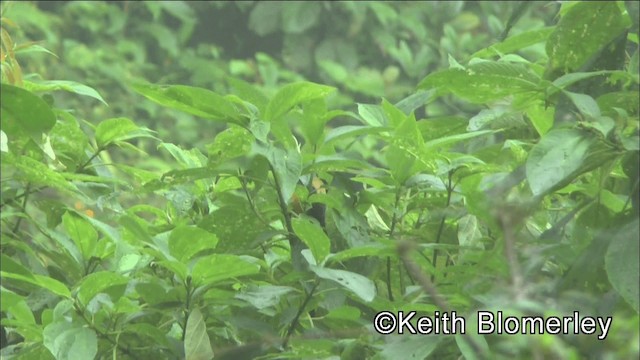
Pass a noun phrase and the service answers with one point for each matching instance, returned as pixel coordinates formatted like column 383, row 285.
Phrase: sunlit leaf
column 197, row 345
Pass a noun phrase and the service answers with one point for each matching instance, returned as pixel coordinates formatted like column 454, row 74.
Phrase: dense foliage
column 264, row 193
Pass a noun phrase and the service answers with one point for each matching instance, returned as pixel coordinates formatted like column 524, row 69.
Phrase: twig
column 428, row 287
column 295, row 321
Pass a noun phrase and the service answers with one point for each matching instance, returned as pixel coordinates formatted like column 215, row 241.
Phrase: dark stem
column 295, row 321
column 442, row 222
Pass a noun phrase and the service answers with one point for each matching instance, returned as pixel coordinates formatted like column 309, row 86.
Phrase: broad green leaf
column 514, row 43
column 621, row 263
column 187, row 158
column 286, row 165
column 102, row 281
column 592, row 25
column 562, row 155
column 541, row 117
column 628, row 100
column 8, row 299
column 68, row 140
column 119, row 129
column 362, row 251
column 12, row 270
column 218, row 267
column 197, row 345
column 335, row 70
column 335, row 163
column 299, row 16
column 82, row 233
column 69, row 341
column 469, row 234
column 410, row 347
column 349, row 131
column 186, row 241
column 248, row 92
column 401, row 161
column 372, row 115
column 396, row 116
column 37, row 173
column 585, row 104
column 193, row 100
column 292, row 95
column 137, row 228
column 175, row 177
column 313, row 236
column 235, row 225
column 265, row 18
column 4, row 142
column 463, row 341
column 70, row 86
column 569, row 79
column 176, row 267
column 148, row 330
column 358, row 284
column 8, row 265
column 24, row 113
column 414, row 101
column 450, row 140
column 264, row 296
column 230, row 143
column 484, row 81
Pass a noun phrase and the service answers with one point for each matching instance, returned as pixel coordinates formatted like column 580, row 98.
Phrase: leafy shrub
column 290, row 229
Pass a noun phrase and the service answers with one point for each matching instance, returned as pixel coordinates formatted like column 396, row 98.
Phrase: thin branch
column 442, row 222
column 295, row 321
column 428, row 287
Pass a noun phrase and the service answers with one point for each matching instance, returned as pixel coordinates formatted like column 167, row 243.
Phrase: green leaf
column 230, row 143
column 569, row 79
column 235, row 225
column 484, row 81
column 335, row 163
column 13, row 270
column 358, row 284
column 541, row 117
column 286, row 165
column 218, row 267
column 299, row 16
column 197, row 345
column 592, row 25
column 372, row 115
column 265, row 18
column 192, row 100
column 410, row 347
column 102, row 281
column 187, row 158
column 119, row 129
column 186, row 241
column 264, row 296
column 68, row 341
column 362, row 251
column 585, row 104
column 37, row 173
column 313, row 236
column 351, row 131
column 450, row 140
column 249, row 92
column 24, row 113
column 292, row 95
column 621, row 263
column 82, row 233
column 70, row 86
column 514, row 43
column 562, row 155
